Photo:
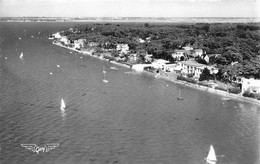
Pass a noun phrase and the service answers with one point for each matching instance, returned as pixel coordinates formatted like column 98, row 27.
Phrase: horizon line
column 122, row 17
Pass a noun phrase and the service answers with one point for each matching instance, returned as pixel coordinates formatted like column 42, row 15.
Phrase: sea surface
column 133, row 119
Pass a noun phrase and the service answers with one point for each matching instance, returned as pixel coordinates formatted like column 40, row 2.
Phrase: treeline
column 236, row 43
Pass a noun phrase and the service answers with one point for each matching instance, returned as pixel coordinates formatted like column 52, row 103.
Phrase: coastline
column 89, row 54
column 184, row 83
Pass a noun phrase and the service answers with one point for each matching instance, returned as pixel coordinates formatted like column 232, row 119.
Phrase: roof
column 198, row 50
column 171, row 65
column 193, row 63
column 187, row 51
column 162, row 60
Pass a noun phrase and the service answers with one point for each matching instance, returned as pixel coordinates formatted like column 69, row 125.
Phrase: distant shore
column 135, row 19
column 184, row 83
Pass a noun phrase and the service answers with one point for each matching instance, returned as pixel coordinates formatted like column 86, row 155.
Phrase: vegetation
column 220, row 88
column 235, row 90
column 235, row 43
column 205, row 75
column 252, row 95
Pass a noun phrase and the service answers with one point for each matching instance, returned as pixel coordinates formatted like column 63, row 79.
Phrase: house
column 78, row 44
column 140, row 67
column 93, row 44
column 148, row 58
column 57, row 35
column 188, row 48
column 198, row 52
column 122, row 47
column 141, row 40
column 160, row 64
column 64, row 40
column 170, row 67
column 178, row 54
column 251, row 85
column 205, row 57
column 195, row 68
column 133, row 57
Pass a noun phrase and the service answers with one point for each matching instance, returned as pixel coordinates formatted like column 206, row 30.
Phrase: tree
column 205, row 75
column 146, row 25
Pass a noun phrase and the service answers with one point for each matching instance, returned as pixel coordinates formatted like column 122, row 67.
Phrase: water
column 133, row 119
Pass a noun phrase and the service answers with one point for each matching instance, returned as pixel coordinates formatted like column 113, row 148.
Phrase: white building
column 180, row 53
column 57, row 35
column 160, row 64
column 65, row 40
column 188, row 48
column 198, row 52
column 251, row 85
column 79, row 43
column 122, row 47
column 195, row 68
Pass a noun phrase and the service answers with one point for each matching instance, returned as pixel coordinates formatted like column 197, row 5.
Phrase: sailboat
column 21, row 56
column 104, row 75
column 179, row 97
column 211, row 158
column 62, row 106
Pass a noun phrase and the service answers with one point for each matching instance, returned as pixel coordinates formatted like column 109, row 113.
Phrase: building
column 251, row 85
column 57, row 35
column 198, row 52
column 195, row 68
column 160, row 64
column 64, row 40
column 78, row 44
column 148, row 58
column 140, row 67
column 133, row 57
column 188, row 48
column 178, row 54
column 122, row 47
column 171, row 68
column 93, row 44
column 205, row 57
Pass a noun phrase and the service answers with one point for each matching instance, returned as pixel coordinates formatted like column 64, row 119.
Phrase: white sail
column 104, row 70
column 179, row 97
column 63, row 106
column 104, row 75
column 21, row 56
column 211, row 158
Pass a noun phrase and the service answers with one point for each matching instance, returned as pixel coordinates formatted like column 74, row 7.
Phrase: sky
column 130, row 8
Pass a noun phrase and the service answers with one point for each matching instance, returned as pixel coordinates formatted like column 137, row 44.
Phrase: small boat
column 113, row 68
column 21, row 56
column 225, row 99
column 58, row 65
column 179, row 97
column 62, row 106
column 104, row 70
column 211, row 158
column 104, row 75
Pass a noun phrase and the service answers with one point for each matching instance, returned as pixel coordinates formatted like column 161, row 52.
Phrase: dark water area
column 132, row 119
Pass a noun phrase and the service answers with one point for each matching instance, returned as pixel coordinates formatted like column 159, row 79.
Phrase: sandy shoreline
column 200, row 87
column 89, row 54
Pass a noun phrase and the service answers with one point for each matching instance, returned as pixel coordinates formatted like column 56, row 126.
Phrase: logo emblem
column 36, row 149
